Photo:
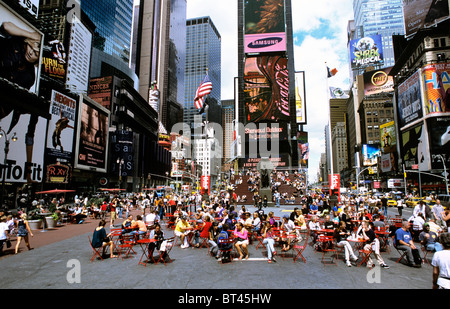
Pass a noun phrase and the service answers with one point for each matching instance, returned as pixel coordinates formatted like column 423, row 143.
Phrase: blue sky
column 320, row 34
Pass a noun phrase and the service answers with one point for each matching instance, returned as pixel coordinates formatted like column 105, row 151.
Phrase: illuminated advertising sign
column 436, row 84
column 265, row 26
column 409, row 101
column 205, row 184
column 378, row 81
column 122, row 151
column 266, row 89
column 92, row 136
column 366, row 51
column 303, row 149
column 423, row 13
column 54, row 60
column 300, row 98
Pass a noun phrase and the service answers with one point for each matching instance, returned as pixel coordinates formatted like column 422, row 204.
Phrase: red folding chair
column 401, row 252
column 364, row 254
column 328, row 246
column 164, row 253
column 301, row 246
column 229, row 242
column 126, row 246
column 425, row 252
column 96, row 252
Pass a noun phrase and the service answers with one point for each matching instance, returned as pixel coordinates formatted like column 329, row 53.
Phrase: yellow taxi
column 412, row 202
column 392, row 202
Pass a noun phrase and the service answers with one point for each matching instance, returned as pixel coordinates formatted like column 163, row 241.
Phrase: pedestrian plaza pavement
column 67, row 265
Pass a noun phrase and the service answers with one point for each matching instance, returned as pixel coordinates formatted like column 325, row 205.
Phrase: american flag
column 204, row 89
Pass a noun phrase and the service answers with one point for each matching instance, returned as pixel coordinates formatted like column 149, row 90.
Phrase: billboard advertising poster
column 370, row 154
column 303, row 149
column 265, row 26
column 439, row 128
column 100, row 90
column 19, row 64
column 266, row 89
column 409, row 101
column 423, row 13
column 122, row 149
column 436, row 84
column 378, row 81
column 92, row 136
column 388, row 137
column 389, row 162
column 367, row 51
column 60, row 133
column 205, row 184
column 300, row 98
column 54, row 60
column 415, row 148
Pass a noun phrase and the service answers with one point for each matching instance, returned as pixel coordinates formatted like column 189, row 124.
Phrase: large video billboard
column 265, row 26
column 366, row 51
column 370, row 154
column 100, row 90
column 20, row 55
column 266, row 89
column 436, row 84
column 409, row 101
column 415, row 150
column 92, row 136
column 439, row 132
column 423, row 13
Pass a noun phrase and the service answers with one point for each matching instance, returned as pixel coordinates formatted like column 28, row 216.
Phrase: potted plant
column 34, row 220
column 52, row 220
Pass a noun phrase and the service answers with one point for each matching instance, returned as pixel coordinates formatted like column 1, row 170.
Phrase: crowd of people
column 199, row 221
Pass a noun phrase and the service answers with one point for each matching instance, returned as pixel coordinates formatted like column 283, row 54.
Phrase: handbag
column 8, row 243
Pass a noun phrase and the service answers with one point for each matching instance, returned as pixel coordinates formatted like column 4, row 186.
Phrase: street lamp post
column 445, row 172
column 120, row 162
column 5, row 161
column 357, row 177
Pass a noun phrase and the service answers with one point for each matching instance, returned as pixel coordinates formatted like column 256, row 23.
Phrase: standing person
column 23, row 230
column 4, row 233
column 400, row 206
column 384, row 204
column 441, row 264
column 437, row 211
column 113, row 208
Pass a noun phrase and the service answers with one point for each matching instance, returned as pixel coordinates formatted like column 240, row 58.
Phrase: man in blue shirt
column 404, row 242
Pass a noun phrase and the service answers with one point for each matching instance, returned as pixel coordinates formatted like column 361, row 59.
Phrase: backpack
column 223, row 235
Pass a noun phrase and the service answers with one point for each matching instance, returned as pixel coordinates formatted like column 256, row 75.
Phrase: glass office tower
column 203, row 54
column 113, row 19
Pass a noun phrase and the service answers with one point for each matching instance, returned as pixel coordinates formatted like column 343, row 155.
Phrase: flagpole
column 329, row 124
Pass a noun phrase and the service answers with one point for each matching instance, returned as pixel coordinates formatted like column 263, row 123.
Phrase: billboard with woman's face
column 92, row 136
column 20, row 108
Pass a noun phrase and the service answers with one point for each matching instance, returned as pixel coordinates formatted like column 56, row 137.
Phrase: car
column 412, row 202
column 392, row 202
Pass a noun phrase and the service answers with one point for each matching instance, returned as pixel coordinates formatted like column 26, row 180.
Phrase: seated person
column 101, row 239
column 126, row 224
column 150, row 219
column 183, row 230
column 428, row 239
column 328, row 224
column 158, row 235
column 404, row 242
column 139, row 227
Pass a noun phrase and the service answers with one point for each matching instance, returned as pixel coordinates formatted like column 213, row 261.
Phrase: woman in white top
column 441, row 264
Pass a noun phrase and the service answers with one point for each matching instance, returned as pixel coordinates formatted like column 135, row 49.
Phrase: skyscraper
column 203, row 56
column 112, row 38
column 160, row 56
